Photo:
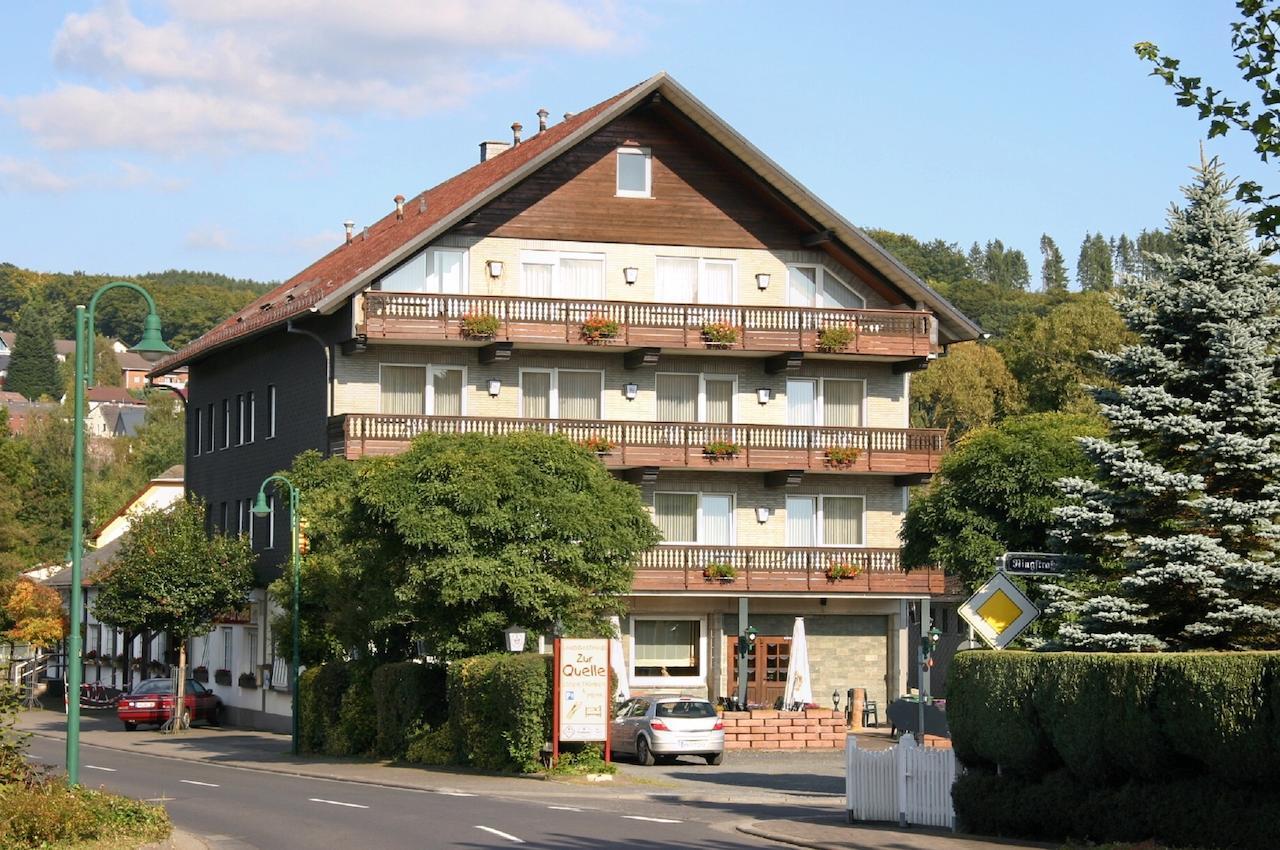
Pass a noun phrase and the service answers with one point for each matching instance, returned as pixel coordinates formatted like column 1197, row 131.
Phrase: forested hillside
column 189, row 302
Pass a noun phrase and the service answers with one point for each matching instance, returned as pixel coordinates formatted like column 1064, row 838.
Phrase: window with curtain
column 842, row 403
column 801, row 398
column 802, row 285
column 677, row 398
column 719, row 393
column 579, row 394
column 227, row 646
column 581, row 278
column 446, row 391
column 536, row 279
column 802, row 511
column 676, row 280
column 535, row 395
column 409, row 276
column 717, row 282
column 446, row 272
column 842, row 521
column 676, row 515
column 836, row 293
column 815, row 286
column 666, row 647
column 717, row 520
column 250, row 651
column 403, row 389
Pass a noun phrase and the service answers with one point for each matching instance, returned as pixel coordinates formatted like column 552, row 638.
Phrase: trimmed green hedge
column 1102, row 746
column 336, row 712
column 407, row 695
column 499, row 709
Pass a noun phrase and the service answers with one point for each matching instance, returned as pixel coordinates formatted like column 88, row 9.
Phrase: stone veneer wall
column 813, row 728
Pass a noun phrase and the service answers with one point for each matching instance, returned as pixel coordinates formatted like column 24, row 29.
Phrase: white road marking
column 563, row 809
column 202, row 784
column 337, row 803
column 502, row 834
column 455, row 793
column 95, row 767
column 651, row 820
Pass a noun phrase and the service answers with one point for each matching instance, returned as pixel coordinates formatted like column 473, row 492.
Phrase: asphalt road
column 234, row 808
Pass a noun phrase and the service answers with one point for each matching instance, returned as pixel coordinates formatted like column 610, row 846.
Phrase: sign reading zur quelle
column 583, row 677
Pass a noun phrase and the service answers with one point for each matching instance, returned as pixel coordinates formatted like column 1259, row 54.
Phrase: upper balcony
column 553, row 322
column 772, row 569
column 672, row 445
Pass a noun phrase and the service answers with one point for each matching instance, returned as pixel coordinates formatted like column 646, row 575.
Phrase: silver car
column 659, row 728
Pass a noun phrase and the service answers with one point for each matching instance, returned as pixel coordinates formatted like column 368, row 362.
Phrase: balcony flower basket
column 91, row 656
column 719, row 334
column 842, row 458
column 248, row 680
column 842, row 570
column 835, row 338
column 155, row 668
column 118, row 661
column 719, row 571
column 222, row 677
column 598, row 445
column 600, row 329
column 480, row 325
column 721, row 450
column 201, row 675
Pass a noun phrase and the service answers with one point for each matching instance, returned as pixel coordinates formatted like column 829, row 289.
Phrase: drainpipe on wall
column 328, row 361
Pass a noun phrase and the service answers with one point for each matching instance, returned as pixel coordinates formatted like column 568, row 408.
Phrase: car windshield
column 685, row 708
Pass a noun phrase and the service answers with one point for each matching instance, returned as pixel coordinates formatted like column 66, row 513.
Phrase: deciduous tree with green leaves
column 170, row 576
column 969, row 388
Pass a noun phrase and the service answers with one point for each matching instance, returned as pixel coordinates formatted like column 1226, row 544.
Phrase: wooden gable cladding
column 696, row 201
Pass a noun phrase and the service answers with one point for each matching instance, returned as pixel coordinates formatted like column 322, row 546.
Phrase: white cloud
column 272, row 74
column 210, row 237
column 33, row 177
column 19, row 175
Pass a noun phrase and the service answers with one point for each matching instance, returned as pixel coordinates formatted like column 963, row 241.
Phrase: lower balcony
column 768, row 569
column 671, row 445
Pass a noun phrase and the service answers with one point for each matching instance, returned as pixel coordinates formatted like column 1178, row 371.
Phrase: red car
column 152, row 702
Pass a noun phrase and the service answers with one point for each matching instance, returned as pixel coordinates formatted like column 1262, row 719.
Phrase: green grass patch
column 48, row 815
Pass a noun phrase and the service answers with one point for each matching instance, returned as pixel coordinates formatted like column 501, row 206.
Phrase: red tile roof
column 300, row 292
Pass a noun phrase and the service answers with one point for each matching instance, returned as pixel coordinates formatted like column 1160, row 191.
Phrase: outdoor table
column 904, row 716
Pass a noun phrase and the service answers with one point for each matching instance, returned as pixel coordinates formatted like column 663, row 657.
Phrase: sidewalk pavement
column 751, row 790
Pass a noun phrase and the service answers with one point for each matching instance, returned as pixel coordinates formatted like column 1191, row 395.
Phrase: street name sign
column 1031, row 564
column 999, row 611
column 583, row 689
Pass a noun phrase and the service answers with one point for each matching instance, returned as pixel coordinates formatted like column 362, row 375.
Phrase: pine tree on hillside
column 1005, row 267
column 1184, row 526
column 1094, row 270
column 1053, row 271
column 1153, row 242
column 33, row 366
column 978, row 262
column 1126, row 256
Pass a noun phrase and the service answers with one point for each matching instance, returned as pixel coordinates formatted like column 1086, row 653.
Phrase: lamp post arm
column 93, row 306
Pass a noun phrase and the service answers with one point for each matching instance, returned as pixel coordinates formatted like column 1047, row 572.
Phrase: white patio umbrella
column 799, row 689
column 619, row 668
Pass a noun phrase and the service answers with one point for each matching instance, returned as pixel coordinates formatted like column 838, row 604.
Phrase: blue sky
column 139, row 135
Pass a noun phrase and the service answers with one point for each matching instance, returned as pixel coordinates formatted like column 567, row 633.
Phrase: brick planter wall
column 760, row 729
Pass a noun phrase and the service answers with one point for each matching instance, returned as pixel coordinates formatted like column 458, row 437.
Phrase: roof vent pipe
column 516, row 127
column 399, row 199
column 542, row 119
column 349, row 225
column 568, row 115
column 364, row 234
column 422, row 204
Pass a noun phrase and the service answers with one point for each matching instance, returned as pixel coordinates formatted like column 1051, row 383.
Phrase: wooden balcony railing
column 781, row 568
column 419, row 316
column 892, row 451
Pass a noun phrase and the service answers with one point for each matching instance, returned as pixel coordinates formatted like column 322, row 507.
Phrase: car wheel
column 714, row 758
column 186, row 718
column 643, row 754
column 130, row 726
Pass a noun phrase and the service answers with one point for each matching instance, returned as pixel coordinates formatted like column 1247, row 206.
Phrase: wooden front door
column 767, row 663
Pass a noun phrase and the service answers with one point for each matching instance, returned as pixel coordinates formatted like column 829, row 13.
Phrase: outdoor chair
column 870, row 710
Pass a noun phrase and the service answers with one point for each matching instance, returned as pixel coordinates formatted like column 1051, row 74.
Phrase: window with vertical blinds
column 677, row 398
column 535, row 395
column 446, row 391
column 676, row 515
column 579, row 394
column 802, row 512
column 666, row 647
column 403, row 389
column 719, row 393
column 842, row 403
column 842, row 521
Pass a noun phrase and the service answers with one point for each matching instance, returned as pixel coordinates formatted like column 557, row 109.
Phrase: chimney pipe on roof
column 422, row 204
column 364, row 234
column 488, row 150
column 399, row 199
column 516, row 127
column 568, row 115
column 542, row 119
column 349, row 225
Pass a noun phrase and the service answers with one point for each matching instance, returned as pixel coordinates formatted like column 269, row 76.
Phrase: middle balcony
column 672, row 445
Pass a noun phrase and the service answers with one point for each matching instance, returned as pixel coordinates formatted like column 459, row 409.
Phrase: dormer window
column 635, row 173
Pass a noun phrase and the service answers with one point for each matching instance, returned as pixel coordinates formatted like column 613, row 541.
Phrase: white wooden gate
column 907, row 783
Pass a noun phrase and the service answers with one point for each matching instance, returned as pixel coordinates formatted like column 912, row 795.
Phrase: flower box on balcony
column 598, row 445
column 842, row 458
column 480, row 325
column 201, row 675
column 222, row 677
column 247, row 680
column 721, row 449
column 600, row 329
column 719, row 571
column 840, row 571
column 719, row 334
column 834, row 338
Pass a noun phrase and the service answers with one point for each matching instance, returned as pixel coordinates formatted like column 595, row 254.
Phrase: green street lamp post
column 262, row 509
column 152, row 348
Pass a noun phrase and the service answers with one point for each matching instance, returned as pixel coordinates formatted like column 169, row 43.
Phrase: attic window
column 635, row 173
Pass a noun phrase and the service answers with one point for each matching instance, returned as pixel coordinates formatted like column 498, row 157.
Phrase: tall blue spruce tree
column 1183, row 524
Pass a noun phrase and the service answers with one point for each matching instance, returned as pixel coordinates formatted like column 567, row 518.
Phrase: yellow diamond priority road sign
column 999, row 611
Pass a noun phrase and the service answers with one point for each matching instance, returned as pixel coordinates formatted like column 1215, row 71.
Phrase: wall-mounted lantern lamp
column 495, row 387
column 762, row 514
column 515, row 639
column 631, row 274
column 630, row 391
column 762, row 280
column 763, row 395
column 495, row 268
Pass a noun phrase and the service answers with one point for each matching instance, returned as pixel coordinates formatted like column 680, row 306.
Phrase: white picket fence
column 907, row 784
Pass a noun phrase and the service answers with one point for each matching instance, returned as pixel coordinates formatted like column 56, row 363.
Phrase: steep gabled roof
column 324, row 286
